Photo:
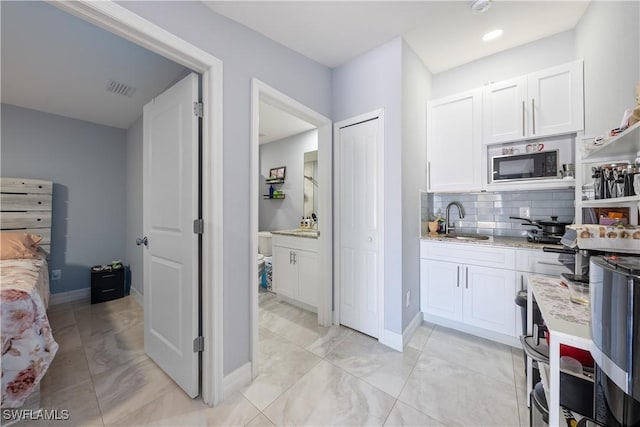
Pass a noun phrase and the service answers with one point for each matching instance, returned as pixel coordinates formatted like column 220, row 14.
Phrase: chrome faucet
column 448, row 228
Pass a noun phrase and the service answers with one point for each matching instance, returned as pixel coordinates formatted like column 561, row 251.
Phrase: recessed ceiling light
column 480, row 6
column 492, row 35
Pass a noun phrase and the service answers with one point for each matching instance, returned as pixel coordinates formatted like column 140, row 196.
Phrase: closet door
column 359, row 188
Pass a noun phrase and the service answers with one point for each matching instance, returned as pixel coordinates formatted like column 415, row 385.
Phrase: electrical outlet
column 408, row 298
column 525, row 212
column 56, row 274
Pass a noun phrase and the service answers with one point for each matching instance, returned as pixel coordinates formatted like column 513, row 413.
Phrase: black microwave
column 536, row 165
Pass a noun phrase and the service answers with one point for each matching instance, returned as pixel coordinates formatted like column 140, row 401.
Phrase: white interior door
column 358, row 189
column 170, row 184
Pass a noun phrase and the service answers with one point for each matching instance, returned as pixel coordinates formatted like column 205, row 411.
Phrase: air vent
column 120, row 88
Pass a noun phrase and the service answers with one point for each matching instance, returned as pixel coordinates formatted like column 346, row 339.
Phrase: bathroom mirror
column 310, row 184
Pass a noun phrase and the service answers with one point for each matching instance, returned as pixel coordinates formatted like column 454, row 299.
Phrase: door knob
column 142, row 241
column 370, row 239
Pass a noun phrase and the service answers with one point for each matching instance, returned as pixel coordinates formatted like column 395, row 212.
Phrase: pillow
column 18, row 245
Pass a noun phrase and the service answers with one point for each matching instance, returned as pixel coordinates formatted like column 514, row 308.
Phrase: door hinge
column 198, row 226
column 198, row 344
column 198, row 108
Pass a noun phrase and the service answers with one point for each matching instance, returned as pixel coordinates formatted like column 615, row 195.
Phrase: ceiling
column 445, row 34
column 59, row 64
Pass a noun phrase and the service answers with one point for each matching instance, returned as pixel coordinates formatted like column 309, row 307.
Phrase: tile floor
column 309, row 375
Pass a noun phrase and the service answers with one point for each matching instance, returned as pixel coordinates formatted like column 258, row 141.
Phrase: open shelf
column 274, row 181
column 626, row 143
column 616, row 201
column 279, row 197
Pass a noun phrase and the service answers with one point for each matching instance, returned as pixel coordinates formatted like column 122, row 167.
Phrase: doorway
column 261, row 92
column 126, row 24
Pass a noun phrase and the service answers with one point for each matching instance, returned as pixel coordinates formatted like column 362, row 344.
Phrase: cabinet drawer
column 536, row 261
column 473, row 254
column 107, row 285
column 301, row 243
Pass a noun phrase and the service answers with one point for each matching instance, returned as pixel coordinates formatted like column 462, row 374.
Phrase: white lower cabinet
column 488, row 300
column 440, row 291
column 295, row 269
column 477, row 292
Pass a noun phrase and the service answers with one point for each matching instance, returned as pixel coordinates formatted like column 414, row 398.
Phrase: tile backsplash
column 488, row 213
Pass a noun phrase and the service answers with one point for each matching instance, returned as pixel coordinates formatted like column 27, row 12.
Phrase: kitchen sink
column 461, row 236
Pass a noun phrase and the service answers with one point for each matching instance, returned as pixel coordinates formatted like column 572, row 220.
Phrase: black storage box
column 107, row 284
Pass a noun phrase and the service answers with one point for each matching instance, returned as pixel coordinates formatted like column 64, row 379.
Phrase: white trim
column 411, row 329
column 391, row 339
column 262, row 91
column 126, row 24
column 472, row 330
column 137, row 296
column 69, row 296
column 237, row 379
column 384, row 336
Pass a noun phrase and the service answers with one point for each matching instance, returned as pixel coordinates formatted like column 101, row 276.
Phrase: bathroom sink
column 461, row 236
column 298, row 232
column 307, row 233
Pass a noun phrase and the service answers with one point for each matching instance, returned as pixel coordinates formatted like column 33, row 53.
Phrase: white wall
column 245, row 54
column 416, row 86
column 534, row 56
column 284, row 214
column 366, row 83
column 608, row 39
column 86, row 163
column 134, row 203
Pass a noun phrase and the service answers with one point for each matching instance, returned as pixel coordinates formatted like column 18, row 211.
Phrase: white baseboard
column 391, row 339
column 70, row 296
column 137, row 296
column 398, row 341
column 472, row 330
column 237, row 379
column 411, row 328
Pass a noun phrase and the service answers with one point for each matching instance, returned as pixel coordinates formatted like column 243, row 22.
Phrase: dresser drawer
column 107, row 285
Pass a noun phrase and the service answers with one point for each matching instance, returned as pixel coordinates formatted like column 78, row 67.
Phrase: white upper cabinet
column 557, row 100
column 454, row 143
column 545, row 103
column 504, row 111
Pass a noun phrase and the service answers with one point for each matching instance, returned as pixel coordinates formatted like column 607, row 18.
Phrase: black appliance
column 615, row 328
column 544, row 231
column 535, row 165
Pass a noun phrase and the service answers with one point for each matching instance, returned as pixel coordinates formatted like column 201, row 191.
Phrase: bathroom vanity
column 296, row 267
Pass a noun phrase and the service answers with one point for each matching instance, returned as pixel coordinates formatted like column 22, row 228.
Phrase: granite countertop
column 304, row 233
column 510, row 242
column 560, row 314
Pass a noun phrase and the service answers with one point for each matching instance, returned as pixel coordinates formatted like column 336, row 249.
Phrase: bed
column 28, row 347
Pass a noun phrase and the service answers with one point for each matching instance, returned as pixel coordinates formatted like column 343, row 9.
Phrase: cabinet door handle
column 295, row 258
column 429, row 175
column 522, row 118
column 290, row 257
column 458, row 281
column 466, row 277
column 533, row 115
column 522, row 282
column 108, row 290
column 555, row 264
column 106, row 276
